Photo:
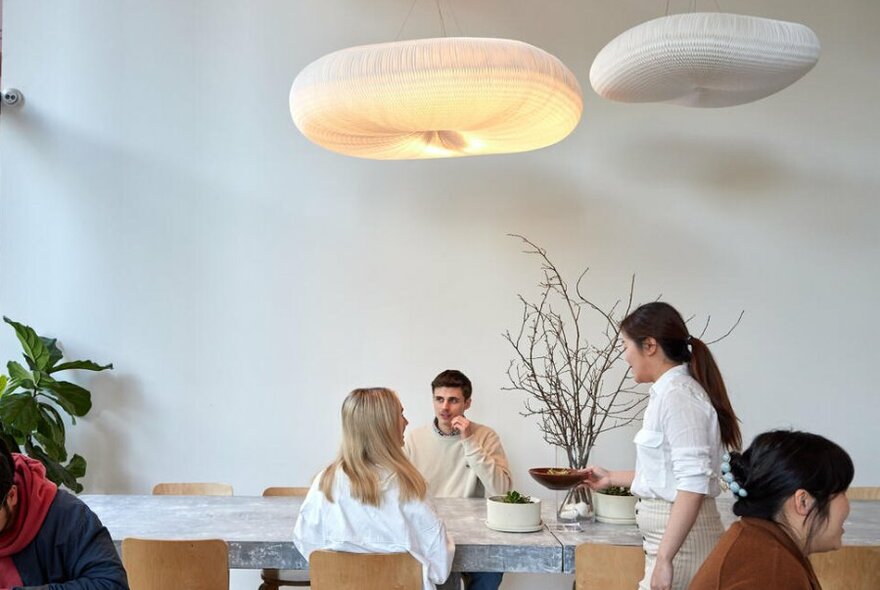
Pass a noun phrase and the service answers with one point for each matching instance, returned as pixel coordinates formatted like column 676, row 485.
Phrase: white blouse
column 679, row 446
column 349, row 525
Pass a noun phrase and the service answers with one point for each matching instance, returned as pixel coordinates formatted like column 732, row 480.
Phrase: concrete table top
column 259, row 530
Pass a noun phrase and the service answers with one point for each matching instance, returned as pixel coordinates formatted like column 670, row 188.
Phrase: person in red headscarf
column 48, row 537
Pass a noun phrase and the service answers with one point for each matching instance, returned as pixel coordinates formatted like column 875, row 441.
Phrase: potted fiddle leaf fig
column 33, row 399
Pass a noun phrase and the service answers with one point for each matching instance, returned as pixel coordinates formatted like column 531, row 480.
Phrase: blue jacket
column 72, row 551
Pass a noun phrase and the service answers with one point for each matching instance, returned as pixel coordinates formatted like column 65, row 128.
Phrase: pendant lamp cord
column 454, row 18
column 694, row 6
column 442, row 21
column 439, row 13
column 405, row 20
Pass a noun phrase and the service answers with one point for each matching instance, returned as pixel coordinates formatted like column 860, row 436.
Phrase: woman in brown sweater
column 790, row 489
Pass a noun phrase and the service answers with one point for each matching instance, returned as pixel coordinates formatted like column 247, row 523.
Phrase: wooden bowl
column 557, row 481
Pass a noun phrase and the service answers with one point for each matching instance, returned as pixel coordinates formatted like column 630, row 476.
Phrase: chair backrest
column 335, row 570
column 848, row 568
column 863, row 493
column 283, row 491
column 609, row 567
column 159, row 565
column 192, row 489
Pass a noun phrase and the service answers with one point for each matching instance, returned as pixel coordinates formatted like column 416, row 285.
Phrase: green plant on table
column 514, row 497
column 32, row 400
column 616, row 491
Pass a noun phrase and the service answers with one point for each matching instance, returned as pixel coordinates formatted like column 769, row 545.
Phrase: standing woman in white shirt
column 686, row 427
column 371, row 499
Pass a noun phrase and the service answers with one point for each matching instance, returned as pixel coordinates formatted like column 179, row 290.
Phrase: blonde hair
column 370, row 440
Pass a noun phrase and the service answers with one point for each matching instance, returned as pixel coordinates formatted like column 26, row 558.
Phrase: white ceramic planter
column 514, row 518
column 615, row 509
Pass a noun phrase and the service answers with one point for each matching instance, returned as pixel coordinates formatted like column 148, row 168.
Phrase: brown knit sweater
column 755, row 554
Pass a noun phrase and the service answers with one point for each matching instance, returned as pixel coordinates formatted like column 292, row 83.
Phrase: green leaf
column 75, row 400
column 13, row 438
column 20, row 411
column 84, row 365
column 52, row 425
column 55, row 451
column 3, row 380
column 77, row 467
column 55, row 353
column 50, row 432
column 20, row 375
column 11, row 386
column 41, row 378
column 34, row 350
column 55, row 471
column 514, row 497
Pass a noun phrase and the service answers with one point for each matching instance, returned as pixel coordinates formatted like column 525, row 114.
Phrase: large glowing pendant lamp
column 704, row 60
column 434, row 98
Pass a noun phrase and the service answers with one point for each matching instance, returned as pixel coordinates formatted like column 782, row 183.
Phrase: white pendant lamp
column 704, row 60
column 432, row 98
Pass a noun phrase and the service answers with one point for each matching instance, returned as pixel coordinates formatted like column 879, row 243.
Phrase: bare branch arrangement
column 573, row 381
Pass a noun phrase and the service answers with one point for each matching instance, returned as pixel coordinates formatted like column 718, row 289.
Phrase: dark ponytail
column 664, row 324
column 706, row 372
column 780, row 462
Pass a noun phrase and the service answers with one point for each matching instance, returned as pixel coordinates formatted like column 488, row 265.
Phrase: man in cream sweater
column 457, row 457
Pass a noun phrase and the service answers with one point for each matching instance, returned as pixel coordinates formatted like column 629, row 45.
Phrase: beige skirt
column 652, row 516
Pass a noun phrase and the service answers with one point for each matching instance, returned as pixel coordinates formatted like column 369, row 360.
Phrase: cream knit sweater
column 456, row 468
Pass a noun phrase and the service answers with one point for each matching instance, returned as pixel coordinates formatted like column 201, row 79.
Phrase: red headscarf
column 35, row 495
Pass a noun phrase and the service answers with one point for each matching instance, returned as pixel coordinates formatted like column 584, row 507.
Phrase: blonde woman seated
column 791, row 497
column 371, row 499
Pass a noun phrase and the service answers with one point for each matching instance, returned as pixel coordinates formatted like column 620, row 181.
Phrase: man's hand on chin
column 463, row 425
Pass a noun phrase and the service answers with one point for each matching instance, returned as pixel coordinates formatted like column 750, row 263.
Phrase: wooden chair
column 274, row 579
column 301, row 492
column 192, row 489
column 332, row 570
column 848, row 568
column 863, row 493
column 608, row 567
column 191, row 565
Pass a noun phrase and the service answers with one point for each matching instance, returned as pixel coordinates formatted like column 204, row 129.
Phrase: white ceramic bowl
column 615, row 509
column 513, row 516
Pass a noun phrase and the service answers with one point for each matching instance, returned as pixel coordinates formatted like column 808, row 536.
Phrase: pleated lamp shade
column 704, row 60
column 432, row 98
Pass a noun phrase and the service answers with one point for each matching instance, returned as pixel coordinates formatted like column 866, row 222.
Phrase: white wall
column 159, row 210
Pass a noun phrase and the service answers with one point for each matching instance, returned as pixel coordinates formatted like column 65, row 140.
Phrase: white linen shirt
column 350, row 525
column 679, row 446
